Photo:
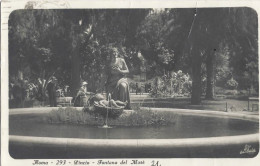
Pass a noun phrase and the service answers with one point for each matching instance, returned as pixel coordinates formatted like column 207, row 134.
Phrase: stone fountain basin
column 22, row 147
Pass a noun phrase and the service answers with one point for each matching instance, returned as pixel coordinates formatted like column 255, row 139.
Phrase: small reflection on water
column 105, row 127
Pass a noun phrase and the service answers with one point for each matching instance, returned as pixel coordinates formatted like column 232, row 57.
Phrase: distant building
column 143, row 73
column 141, row 77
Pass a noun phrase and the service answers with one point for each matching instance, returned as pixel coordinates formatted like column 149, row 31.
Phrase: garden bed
column 128, row 118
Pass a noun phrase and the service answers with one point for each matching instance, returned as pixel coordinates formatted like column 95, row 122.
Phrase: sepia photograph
column 133, row 83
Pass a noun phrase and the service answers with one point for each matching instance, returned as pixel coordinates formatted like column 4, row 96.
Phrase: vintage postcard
column 129, row 82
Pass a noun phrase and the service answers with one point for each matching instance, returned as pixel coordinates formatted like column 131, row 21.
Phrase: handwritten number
column 155, row 163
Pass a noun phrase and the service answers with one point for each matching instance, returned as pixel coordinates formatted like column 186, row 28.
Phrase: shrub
column 243, row 92
column 136, row 118
column 219, row 90
column 171, row 84
column 231, row 84
column 231, row 92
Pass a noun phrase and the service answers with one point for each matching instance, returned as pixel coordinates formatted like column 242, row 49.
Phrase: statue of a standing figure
column 117, row 84
column 51, row 89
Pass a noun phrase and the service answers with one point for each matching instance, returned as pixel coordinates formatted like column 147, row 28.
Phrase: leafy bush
column 231, row 92
column 219, row 90
column 171, row 84
column 243, row 92
column 231, row 84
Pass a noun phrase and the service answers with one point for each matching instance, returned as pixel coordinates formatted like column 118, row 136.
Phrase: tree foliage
column 75, row 45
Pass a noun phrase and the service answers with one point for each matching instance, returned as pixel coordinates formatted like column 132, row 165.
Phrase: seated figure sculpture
column 117, row 84
column 100, row 100
column 98, row 105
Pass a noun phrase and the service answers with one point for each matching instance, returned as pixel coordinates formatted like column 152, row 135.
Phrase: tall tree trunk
column 75, row 73
column 210, row 70
column 196, row 77
column 20, row 74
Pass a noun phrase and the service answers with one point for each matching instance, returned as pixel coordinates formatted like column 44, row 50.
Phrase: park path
column 223, row 105
column 144, row 100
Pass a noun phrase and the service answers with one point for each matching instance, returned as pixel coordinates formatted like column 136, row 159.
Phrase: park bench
column 255, row 103
column 64, row 101
column 221, row 96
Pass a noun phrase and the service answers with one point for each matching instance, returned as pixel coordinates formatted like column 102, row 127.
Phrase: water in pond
column 186, row 126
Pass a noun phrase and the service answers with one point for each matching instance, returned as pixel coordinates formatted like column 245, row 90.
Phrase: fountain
column 106, row 124
column 196, row 134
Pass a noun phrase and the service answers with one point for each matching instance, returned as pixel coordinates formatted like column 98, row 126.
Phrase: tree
column 75, row 44
column 242, row 22
column 31, row 52
column 41, row 40
column 151, row 43
column 207, row 29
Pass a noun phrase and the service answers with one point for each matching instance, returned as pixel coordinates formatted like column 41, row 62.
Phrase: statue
column 82, row 95
column 51, row 89
column 117, row 85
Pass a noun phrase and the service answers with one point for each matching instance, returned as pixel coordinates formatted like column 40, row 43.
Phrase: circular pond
column 186, row 126
column 192, row 130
